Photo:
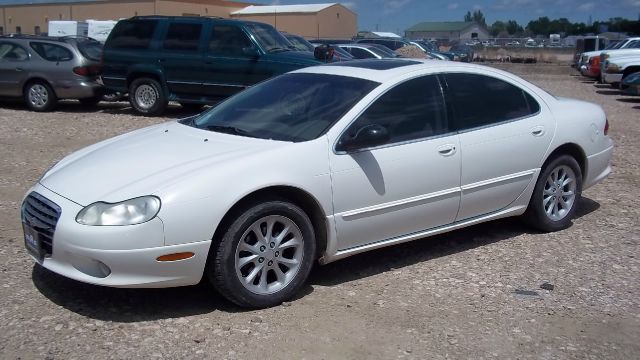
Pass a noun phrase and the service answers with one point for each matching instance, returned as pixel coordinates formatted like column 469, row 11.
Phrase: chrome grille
column 41, row 214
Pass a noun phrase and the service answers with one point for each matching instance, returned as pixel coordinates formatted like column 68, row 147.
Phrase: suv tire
column 39, row 96
column 147, row 96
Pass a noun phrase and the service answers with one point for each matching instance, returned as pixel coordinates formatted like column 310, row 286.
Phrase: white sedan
column 314, row 165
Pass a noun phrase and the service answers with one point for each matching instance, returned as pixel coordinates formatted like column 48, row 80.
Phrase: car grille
column 42, row 215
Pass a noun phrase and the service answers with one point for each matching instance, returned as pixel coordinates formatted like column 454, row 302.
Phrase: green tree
column 476, row 16
column 513, row 27
column 497, row 27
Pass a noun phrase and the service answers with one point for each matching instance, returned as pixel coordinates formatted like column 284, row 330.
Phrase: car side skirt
column 518, row 207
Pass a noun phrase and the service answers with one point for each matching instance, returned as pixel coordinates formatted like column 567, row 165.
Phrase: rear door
column 504, row 134
column 182, row 57
column 14, row 60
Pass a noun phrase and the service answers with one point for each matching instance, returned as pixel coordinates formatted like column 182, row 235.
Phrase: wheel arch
column 630, row 70
column 33, row 79
column 573, row 150
column 136, row 74
column 307, row 202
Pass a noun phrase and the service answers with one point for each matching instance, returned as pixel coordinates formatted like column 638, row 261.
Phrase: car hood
column 294, row 57
column 623, row 53
column 144, row 161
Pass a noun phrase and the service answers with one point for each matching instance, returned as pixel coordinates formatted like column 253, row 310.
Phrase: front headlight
column 128, row 212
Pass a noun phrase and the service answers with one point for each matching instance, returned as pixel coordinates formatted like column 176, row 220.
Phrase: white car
column 318, row 164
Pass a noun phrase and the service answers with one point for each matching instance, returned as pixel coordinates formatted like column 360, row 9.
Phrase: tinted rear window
column 183, row 37
column 52, row 52
column 479, row 100
column 90, row 49
column 132, row 34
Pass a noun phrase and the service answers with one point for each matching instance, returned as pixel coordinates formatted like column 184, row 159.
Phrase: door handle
column 537, row 131
column 447, row 149
column 19, row 69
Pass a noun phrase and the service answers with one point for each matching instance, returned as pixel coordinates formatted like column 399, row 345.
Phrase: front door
column 231, row 62
column 13, row 68
column 409, row 184
column 504, row 134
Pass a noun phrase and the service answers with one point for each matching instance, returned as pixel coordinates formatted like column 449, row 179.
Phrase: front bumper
column 118, row 256
column 609, row 78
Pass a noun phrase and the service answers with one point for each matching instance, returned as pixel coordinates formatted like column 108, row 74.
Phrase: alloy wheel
column 269, row 254
column 38, row 95
column 559, row 193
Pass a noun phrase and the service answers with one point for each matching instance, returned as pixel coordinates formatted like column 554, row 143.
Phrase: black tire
column 39, row 96
column 147, row 97
column 192, row 107
column 222, row 270
column 91, row 101
column 536, row 216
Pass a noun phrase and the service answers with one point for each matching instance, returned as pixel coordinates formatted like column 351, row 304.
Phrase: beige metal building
column 32, row 16
column 313, row 21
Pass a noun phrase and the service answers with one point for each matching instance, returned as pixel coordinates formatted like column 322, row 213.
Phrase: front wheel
column 265, row 256
column 147, row 97
column 556, row 195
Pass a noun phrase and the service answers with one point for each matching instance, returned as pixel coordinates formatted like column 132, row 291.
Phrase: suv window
column 52, row 52
column 132, row 34
column 361, row 54
column 479, row 100
column 12, row 52
column 228, row 40
column 412, row 110
column 183, row 37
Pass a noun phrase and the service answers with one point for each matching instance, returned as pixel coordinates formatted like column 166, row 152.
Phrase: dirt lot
column 473, row 293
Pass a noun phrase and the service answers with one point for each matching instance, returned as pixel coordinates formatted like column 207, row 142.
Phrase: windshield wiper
column 228, row 130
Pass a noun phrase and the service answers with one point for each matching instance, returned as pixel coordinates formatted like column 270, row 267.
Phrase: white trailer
column 68, row 28
column 100, row 29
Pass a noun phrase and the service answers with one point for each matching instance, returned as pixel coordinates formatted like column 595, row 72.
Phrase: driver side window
column 411, row 110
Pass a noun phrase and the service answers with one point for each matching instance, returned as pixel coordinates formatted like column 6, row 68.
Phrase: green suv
column 192, row 60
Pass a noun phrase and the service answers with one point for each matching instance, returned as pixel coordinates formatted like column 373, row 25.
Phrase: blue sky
column 397, row 15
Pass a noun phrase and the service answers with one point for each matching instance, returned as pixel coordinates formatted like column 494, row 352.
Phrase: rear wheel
column 147, row 97
column 556, row 195
column 265, row 255
column 39, row 96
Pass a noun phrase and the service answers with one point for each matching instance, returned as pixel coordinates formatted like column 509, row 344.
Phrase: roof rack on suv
column 151, row 17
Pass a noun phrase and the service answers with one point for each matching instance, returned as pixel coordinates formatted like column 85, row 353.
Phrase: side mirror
column 366, row 137
column 250, row 52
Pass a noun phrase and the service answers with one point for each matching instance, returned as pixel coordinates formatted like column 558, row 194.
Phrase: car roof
column 388, row 70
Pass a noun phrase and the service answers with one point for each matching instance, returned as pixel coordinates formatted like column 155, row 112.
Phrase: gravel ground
column 474, row 293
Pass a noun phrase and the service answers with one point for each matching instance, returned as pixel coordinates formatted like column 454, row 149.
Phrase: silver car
column 42, row 70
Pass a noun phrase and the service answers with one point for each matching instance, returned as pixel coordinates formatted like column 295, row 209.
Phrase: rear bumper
column 77, row 88
column 599, row 167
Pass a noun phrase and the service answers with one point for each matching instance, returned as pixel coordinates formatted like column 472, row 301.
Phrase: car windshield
column 614, row 45
column 269, row 38
column 91, row 49
column 291, row 107
column 300, row 43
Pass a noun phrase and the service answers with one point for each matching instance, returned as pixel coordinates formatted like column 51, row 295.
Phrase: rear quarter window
column 132, row 34
column 52, row 52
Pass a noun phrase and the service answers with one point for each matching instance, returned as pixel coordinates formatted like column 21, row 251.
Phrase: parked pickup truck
column 618, row 64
